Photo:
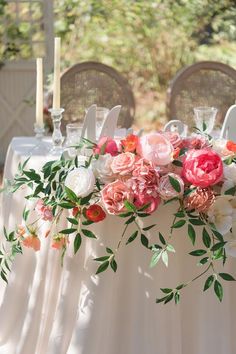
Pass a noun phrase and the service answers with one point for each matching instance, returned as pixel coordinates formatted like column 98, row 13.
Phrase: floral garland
column 130, row 178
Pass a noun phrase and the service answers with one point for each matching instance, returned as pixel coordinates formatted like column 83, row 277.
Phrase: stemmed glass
column 205, row 118
column 73, row 137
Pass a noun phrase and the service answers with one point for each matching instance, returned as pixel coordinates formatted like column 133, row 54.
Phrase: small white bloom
column 102, row 168
column 222, row 213
column 219, row 146
column 81, row 181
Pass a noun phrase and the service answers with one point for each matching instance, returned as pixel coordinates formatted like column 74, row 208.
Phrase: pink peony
column 44, row 211
column 165, row 188
column 144, row 199
column 123, row 164
column 202, row 168
column 106, row 145
column 114, row 196
column 156, row 148
column 145, row 178
column 174, row 138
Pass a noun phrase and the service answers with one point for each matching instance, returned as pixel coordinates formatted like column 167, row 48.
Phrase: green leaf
column 218, row 235
column 26, row 214
column 198, row 253
column 124, row 215
column 166, row 290
column 144, row 241
column 175, row 184
column 206, row 238
column 88, row 233
column 66, row 205
column 191, row 233
column 77, row 242
column 218, row 290
column 169, row 298
column 208, row 282
column 178, row 224
column 170, row 248
column 73, row 221
column 161, row 299
column 148, row 227
column 162, row 239
column 132, row 237
column 155, row 258
column 196, row 222
column 227, row 276
column 71, row 195
column 109, row 250
column 180, row 214
column 102, row 267
column 217, row 246
column 85, row 200
column 177, row 297
column 189, row 191
column 130, row 206
column 130, row 220
column 113, row 265
column 230, row 191
column 3, row 276
column 101, row 259
column 67, row 231
column 143, row 215
column 164, row 258
column 87, row 222
column 203, row 260
column 177, row 163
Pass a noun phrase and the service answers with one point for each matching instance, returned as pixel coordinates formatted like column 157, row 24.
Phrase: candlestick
column 39, row 93
column 57, row 138
column 57, row 82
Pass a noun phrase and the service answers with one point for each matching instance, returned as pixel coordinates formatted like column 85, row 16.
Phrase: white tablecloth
column 47, row 309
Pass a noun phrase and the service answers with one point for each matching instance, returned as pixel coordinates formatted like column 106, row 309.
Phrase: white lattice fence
column 32, row 21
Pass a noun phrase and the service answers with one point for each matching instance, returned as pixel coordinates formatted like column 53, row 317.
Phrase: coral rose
column 130, row 143
column 166, row 189
column 202, row 168
column 95, row 213
column 200, row 200
column 106, row 145
column 114, row 195
column 123, row 164
column 156, row 148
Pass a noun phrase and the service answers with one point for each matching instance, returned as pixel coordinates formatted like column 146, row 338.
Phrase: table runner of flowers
column 129, row 178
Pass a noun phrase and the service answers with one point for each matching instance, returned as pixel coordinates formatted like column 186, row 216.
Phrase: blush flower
column 202, row 168
column 145, row 178
column 123, row 164
column 114, row 195
column 95, row 213
column 156, row 148
column 130, row 143
column 166, row 189
column 44, row 211
column 141, row 200
column 174, row 138
column 32, row 241
column 200, row 200
column 106, row 145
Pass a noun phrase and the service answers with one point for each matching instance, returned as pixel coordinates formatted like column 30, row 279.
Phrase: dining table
column 50, row 308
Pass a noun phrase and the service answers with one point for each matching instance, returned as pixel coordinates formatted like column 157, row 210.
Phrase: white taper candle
column 57, row 82
column 39, row 93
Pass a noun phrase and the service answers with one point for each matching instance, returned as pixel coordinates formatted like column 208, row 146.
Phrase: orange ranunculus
column 59, row 241
column 32, row 241
column 75, row 211
column 231, row 146
column 176, row 153
column 95, row 213
column 130, row 143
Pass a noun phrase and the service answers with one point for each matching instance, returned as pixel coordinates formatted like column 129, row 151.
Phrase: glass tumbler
column 205, row 118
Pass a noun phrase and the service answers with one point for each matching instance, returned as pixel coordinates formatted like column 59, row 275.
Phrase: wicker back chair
column 90, row 83
column 206, row 83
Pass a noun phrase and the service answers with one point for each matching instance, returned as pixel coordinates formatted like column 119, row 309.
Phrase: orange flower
column 231, row 146
column 130, row 143
column 176, row 153
column 21, row 231
column 75, row 211
column 32, row 241
column 59, row 241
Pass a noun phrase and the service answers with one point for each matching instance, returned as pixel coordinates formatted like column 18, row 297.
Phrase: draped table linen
column 50, row 309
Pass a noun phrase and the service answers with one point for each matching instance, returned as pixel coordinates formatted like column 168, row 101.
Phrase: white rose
column 230, row 172
column 223, row 213
column 81, row 181
column 102, row 168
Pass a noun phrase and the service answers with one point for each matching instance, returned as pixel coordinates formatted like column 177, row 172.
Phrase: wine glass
column 73, row 136
column 205, row 118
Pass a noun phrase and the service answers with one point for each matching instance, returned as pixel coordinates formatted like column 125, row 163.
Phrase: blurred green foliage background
column 146, row 40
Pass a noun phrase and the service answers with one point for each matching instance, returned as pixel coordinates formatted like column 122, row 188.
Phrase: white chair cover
column 228, row 130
